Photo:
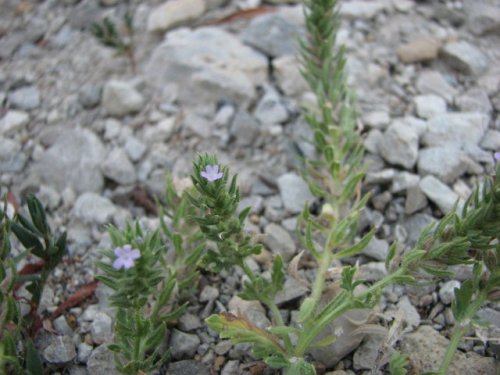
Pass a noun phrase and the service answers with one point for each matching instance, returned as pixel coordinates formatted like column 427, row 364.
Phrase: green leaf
column 324, row 342
column 397, row 364
column 29, row 240
column 358, row 247
column 391, row 254
column 306, row 309
column 463, row 299
column 37, row 213
column 278, row 274
column 33, row 362
column 243, row 214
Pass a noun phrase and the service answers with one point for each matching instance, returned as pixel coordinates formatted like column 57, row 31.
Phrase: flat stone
column 456, row 128
column 439, row 193
column 403, row 181
column 474, row 100
column 415, row 200
column 272, row 34
column 187, row 367
column 12, row 159
column 60, row 351
column 270, row 110
column 209, row 293
column 482, row 18
column 253, row 310
column 426, row 349
column 84, row 351
column 421, row 49
column 445, row 162
column 292, row 290
column 118, row 167
column 183, row 344
column 432, row 82
column 491, row 140
column 288, row 76
column 465, row 57
column 207, row 64
column 161, row 132
column 73, row 160
column 428, row 106
column 362, row 9
column 120, row 98
column 94, row 209
column 447, row 291
column 377, row 249
column 101, row 328
column 294, row 192
column 25, row 98
column 174, row 13
column 279, row 241
column 102, row 362
column 399, row 146
column 245, row 128
column 366, row 355
column 410, row 313
column 189, row 322
column 13, row 122
column 376, row 119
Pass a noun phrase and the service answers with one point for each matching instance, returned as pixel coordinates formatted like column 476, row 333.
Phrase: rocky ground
column 90, row 138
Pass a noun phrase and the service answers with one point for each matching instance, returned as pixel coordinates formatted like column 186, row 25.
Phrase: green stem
column 458, row 333
column 319, row 282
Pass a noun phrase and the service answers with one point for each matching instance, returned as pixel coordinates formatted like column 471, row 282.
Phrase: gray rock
column 244, row 129
column 89, row 95
column 446, row 163
column 415, row 224
column 288, row 76
column 255, row 202
column 362, row 8
column 294, row 192
column 209, row 293
column 13, row 122
column 25, row 98
column 426, row 349
column 120, row 98
column 102, row 362
column 399, row 146
column 174, row 13
column 428, row 106
column 403, row 181
column 135, row 148
column 491, row 140
column 73, row 160
column 187, row 367
column 189, row 322
column 93, row 209
column 381, row 177
column 376, row 119
column 457, row 128
column 410, row 313
column 415, row 200
column 279, row 241
column 208, row 64
column 62, row 326
column 161, row 132
column 60, row 351
column 482, row 18
column 439, row 193
column 432, row 82
column 420, row 49
column 254, row 311
column 270, row 110
column 183, row 344
column 474, row 100
column 84, row 352
column 377, row 249
column 447, row 291
column 12, row 159
column 373, row 271
column 366, row 355
column 372, row 140
column 118, row 167
column 272, row 34
column 230, row 368
column 292, row 290
column 101, row 328
column 464, row 57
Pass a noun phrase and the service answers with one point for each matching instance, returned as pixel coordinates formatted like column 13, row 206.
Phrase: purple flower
column 211, row 173
column 125, row 257
column 497, row 156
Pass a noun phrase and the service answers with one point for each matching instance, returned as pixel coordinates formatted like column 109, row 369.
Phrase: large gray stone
column 13, row 122
column 272, row 34
column 73, row 160
column 474, row 100
column 445, row 162
column 118, row 167
column 440, row 194
column 420, row 49
column 279, row 241
column 429, row 105
column 174, row 13
column 25, row 98
column 207, row 64
column 245, row 128
column 60, row 351
column 362, row 8
column 294, row 192
column 101, row 362
column 121, row 98
column 270, row 110
column 426, row 349
column 183, row 345
column 287, row 73
column 12, row 159
column 432, row 82
column 456, row 128
column 93, row 209
column 399, row 145
column 465, row 57
column 482, row 18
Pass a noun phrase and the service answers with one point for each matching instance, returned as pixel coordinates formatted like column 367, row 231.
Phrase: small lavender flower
column 125, row 257
column 497, row 156
column 211, row 173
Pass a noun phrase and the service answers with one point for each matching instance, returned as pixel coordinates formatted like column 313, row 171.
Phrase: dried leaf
column 293, row 269
column 142, row 199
